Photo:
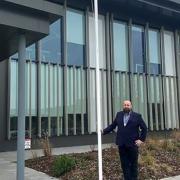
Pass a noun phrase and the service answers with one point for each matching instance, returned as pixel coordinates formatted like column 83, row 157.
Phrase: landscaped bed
column 157, row 159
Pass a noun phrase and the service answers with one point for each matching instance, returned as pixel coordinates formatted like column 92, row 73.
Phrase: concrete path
column 172, row 178
column 8, row 163
column 8, row 172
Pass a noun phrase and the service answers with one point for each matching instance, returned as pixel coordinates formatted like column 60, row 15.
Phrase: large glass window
column 169, row 54
column 51, row 45
column 120, row 46
column 154, row 52
column 138, row 49
column 75, row 37
column 92, row 45
column 30, row 53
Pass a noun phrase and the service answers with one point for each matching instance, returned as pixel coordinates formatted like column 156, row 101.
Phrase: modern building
column 139, row 60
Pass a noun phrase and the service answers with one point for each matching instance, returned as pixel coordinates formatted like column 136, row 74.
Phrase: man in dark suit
column 128, row 138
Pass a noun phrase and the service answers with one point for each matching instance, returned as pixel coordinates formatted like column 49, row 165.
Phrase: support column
column 21, row 107
column 38, row 58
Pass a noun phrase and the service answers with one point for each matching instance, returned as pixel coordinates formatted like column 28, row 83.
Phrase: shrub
column 152, row 144
column 177, row 144
column 168, row 145
column 62, row 164
column 34, row 155
column 46, row 146
column 90, row 157
column 147, row 160
column 93, row 147
column 175, row 135
column 166, row 168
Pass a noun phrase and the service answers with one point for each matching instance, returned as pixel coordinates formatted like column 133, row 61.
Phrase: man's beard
column 126, row 110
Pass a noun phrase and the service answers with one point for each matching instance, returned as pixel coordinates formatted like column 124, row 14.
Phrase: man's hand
column 101, row 132
column 138, row 142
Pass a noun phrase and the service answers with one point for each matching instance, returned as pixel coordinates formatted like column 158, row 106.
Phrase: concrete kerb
column 172, row 178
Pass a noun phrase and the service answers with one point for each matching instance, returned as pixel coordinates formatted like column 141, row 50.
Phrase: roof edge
column 39, row 5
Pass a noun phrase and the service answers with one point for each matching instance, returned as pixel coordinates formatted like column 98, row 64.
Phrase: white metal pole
column 98, row 91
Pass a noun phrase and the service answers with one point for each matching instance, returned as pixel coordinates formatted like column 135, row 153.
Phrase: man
column 128, row 138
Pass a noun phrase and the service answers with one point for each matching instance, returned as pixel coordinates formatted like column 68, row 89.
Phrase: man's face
column 127, row 106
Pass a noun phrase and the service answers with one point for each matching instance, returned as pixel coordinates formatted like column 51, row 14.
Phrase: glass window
column 14, row 56
column 13, row 123
column 44, row 125
column 51, row 45
column 53, row 126
column 33, row 89
column 75, row 37
column 120, row 46
column 14, row 89
column 92, row 45
column 30, row 53
column 154, row 52
column 138, row 49
column 34, row 130
column 169, row 54
column 78, row 123
column 13, row 127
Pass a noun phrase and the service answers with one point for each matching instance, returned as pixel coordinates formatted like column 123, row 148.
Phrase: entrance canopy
column 31, row 18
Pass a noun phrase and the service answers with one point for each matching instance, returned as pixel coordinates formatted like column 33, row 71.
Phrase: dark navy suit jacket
column 127, row 135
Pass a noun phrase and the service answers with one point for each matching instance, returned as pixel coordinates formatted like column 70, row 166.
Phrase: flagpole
column 98, row 91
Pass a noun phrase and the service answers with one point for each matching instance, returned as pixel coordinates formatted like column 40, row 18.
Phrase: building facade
column 139, row 42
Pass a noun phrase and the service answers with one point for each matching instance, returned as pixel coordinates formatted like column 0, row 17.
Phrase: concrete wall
column 3, row 99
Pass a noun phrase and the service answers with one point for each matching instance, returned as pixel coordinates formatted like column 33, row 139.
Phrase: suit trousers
column 129, row 162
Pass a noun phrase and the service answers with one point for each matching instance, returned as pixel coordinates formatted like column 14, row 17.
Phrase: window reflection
column 154, row 52
column 75, row 37
column 102, row 43
column 169, row 53
column 138, row 49
column 30, row 53
column 120, row 46
column 51, row 45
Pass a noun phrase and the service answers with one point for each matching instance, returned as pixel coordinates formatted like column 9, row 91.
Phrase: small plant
column 177, row 144
column 62, row 164
column 166, row 168
column 167, row 145
column 34, row 155
column 152, row 144
column 147, row 160
column 90, row 157
column 46, row 146
column 175, row 135
column 92, row 147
